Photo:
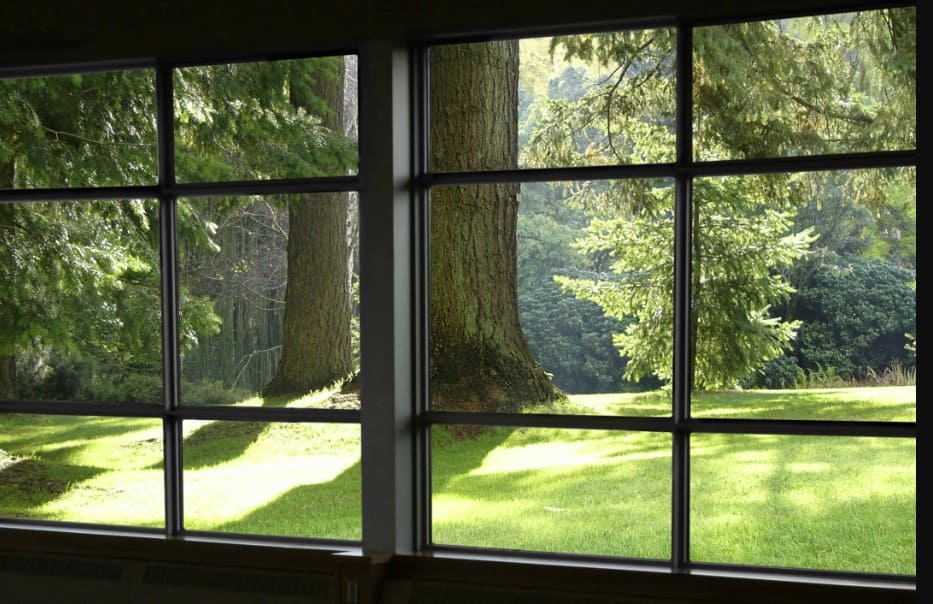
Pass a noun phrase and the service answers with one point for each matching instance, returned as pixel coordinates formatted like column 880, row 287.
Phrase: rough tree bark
column 480, row 360
column 316, row 342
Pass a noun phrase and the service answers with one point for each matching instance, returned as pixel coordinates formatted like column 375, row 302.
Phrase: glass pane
column 79, row 130
column 284, row 479
column 105, row 470
column 566, row 491
column 828, row 503
column 269, row 317
column 266, row 120
column 804, row 292
column 561, row 303
column 81, row 317
column 581, row 100
column 823, row 84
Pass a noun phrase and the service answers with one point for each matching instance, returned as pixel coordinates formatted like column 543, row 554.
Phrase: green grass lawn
column 840, row 503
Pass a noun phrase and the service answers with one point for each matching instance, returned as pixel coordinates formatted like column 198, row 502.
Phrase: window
column 634, row 297
column 181, row 257
column 672, row 297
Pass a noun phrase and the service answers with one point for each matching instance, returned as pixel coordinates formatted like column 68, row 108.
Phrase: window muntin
column 73, row 468
column 266, row 120
column 78, row 130
column 81, row 318
column 285, row 479
column 818, row 502
column 552, row 490
column 839, row 83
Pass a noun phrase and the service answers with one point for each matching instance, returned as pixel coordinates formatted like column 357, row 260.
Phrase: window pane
column 568, row 491
column 79, row 130
column 580, row 100
column 285, row 479
column 561, row 303
column 80, row 318
column 105, row 470
column 804, row 292
column 823, row 84
column 826, row 503
column 265, row 312
column 266, row 120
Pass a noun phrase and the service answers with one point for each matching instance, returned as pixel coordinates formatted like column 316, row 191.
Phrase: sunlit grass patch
column 812, row 502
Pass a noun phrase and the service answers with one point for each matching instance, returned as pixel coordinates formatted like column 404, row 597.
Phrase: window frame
column 166, row 191
column 680, row 425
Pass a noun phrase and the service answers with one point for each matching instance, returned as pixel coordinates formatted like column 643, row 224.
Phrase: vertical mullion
column 680, row 488
column 386, row 289
column 171, row 423
column 421, row 150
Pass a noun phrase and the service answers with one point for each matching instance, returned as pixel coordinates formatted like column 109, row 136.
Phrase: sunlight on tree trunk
column 316, row 341
column 479, row 358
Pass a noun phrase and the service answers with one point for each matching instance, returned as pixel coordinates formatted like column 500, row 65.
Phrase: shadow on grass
column 20, row 432
column 457, row 450
column 221, row 441
column 27, row 483
column 328, row 510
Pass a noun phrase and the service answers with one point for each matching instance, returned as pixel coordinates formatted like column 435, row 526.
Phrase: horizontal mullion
column 201, row 189
column 793, row 427
column 667, row 424
column 274, row 414
column 806, row 163
column 323, row 184
column 80, row 193
column 547, row 420
column 771, row 165
column 156, row 411
column 480, row 177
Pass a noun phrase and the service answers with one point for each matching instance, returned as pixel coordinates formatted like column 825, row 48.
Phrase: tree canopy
column 827, row 84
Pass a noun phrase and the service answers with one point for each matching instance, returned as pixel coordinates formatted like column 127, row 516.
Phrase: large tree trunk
column 316, row 343
column 7, row 321
column 480, row 360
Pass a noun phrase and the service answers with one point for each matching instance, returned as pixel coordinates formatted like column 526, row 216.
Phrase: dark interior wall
column 40, row 32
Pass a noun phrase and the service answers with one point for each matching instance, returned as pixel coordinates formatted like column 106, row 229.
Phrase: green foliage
column 625, row 116
column 571, row 339
column 740, row 246
column 776, row 374
column 259, row 120
column 87, row 130
column 855, row 316
column 82, row 278
column 835, row 83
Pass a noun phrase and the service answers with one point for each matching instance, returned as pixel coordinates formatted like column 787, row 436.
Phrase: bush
column 777, row 374
column 130, row 388
column 855, row 316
